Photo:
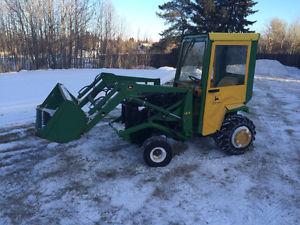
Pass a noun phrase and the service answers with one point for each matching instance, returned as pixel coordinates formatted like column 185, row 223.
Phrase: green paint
column 69, row 121
column 66, row 124
column 251, row 71
column 205, row 77
column 187, row 117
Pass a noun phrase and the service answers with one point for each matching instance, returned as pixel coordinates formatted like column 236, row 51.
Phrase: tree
column 279, row 37
column 293, row 37
column 176, row 14
column 222, row 15
column 203, row 16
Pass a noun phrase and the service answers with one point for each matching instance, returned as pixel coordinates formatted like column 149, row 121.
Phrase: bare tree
column 281, row 38
column 63, row 33
column 293, row 37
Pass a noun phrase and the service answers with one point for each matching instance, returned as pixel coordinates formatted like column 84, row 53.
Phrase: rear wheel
column 236, row 135
column 157, row 152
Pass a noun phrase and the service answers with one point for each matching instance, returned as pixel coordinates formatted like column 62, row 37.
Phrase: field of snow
column 21, row 92
column 101, row 179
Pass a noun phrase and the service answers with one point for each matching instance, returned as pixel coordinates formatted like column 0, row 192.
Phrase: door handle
column 214, row 90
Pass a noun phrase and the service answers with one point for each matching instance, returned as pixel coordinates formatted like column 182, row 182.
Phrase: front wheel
column 157, row 152
column 236, row 135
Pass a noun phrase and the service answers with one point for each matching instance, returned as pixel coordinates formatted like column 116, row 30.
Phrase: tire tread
column 223, row 136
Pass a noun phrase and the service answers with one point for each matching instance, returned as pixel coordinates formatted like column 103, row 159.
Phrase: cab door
column 226, row 83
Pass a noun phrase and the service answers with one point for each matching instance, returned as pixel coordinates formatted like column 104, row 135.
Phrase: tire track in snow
column 280, row 79
column 15, row 133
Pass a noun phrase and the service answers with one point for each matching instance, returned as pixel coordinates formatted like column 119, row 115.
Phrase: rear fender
column 236, row 107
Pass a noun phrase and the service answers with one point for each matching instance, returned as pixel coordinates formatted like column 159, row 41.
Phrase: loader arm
column 71, row 117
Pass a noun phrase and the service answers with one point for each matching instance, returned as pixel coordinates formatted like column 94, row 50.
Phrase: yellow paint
column 234, row 106
column 233, row 36
column 216, row 104
column 243, row 138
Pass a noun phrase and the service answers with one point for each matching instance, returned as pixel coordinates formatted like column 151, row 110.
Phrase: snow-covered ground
column 101, row 179
column 21, row 92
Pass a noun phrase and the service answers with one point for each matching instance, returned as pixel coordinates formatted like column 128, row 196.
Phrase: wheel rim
column 158, row 154
column 241, row 137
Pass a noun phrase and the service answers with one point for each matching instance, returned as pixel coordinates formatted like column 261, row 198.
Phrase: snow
column 21, row 92
column 101, row 179
column 66, row 93
column 275, row 68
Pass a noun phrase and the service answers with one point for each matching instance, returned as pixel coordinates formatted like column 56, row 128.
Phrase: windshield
column 192, row 60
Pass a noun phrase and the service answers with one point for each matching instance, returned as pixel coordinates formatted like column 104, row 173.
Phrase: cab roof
column 224, row 37
column 233, row 36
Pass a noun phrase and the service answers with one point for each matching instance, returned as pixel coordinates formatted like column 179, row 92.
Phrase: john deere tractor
column 213, row 83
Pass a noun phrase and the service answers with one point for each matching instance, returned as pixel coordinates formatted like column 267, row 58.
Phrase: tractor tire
column 236, row 135
column 157, row 152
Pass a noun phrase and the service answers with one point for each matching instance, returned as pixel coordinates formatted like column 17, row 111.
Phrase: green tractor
column 213, row 82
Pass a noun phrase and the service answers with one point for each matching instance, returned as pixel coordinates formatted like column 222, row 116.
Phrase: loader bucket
column 59, row 118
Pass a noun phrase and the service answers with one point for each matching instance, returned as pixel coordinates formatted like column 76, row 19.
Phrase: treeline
column 281, row 41
column 65, row 34
column 38, row 34
column 279, row 37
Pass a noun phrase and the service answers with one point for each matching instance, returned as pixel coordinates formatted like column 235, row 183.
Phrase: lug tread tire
column 223, row 137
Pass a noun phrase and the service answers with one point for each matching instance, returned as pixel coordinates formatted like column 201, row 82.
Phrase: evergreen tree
column 205, row 16
column 222, row 15
column 177, row 15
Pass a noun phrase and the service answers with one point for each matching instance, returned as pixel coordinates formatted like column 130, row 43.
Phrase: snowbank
column 275, row 68
column 21, row 92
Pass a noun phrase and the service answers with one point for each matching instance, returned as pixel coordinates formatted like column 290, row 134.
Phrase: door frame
column 207, row 81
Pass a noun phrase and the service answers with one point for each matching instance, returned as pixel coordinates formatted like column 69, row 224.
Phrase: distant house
column 143, row 47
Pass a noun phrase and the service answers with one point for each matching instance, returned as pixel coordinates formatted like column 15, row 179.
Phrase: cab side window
column 192, row 60
column 229, row 65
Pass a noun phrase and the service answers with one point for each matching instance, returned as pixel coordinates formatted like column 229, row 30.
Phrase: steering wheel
column 193, row 78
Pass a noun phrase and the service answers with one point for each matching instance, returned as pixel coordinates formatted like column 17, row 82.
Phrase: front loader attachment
column 146, row 107
column 63, row 118
column 60, row 118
